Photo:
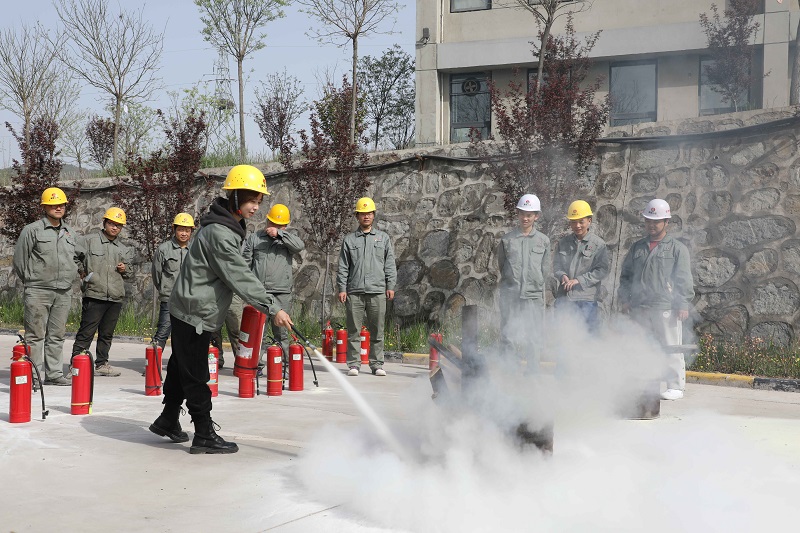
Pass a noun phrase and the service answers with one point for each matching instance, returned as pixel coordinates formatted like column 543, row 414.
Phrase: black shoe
column 221, row 362
column 172, row 431
column 206, row 439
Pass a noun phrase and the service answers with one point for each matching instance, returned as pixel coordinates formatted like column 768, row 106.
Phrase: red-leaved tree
column 39, row 169
column 100, row 132
column 327, row 175
column 161, row 185
column 545, row 143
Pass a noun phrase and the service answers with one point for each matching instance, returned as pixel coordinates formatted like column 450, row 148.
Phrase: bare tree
column 278, row 106
column 231, row 25
column 350, row 19
column 545, row 12
column 31, row 76
column 118, row 53
column 73, row 140
column 218, row 115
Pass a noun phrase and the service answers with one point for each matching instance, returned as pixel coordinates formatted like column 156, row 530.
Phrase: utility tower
column 223, row 95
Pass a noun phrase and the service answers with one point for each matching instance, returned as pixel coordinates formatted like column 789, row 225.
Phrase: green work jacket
column 524, row 262
column 271, row 259
column 166, row 265
column 100, row 258
column 366, row 263
column 46, row 256
column 586, row 260
column 661, row 279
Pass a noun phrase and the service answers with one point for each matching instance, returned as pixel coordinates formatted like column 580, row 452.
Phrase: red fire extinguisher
column 327, row 342
column 213, row 372
column 22, row 370
column 152, row 370
column 295, row 366
column 82, row 383
column 364, row 345
column 341, row 345
column 433, row 357
column 274, row 370
column 250, row 332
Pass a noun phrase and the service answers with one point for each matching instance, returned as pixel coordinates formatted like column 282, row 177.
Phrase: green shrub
column 752, row 357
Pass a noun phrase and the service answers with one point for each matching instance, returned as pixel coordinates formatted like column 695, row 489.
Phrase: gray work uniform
column 103, row 293
column 167, row 263
column 656, row 285
column 586, row 260
column 271, row 261
column 366, row 271
column 46, row 261
column 524, row 262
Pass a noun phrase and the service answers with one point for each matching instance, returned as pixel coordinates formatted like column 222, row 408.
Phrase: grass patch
column 752, row 357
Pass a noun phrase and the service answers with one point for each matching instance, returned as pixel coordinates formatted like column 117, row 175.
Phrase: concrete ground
column 107, row 472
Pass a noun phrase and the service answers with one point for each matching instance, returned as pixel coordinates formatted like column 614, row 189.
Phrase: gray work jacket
column 46, row 256
column 524, row 262
column 586, row 260
column 271, row 259
column 661, row 279
column 166, row 265
column 366, row 263
column 100, row 258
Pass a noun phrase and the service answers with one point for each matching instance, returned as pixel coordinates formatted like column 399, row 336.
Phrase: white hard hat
column 657, row 209
column 529, row 202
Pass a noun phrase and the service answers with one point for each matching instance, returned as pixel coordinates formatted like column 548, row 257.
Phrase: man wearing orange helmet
column 45, row 261
column 269, row 254
column 106, row 268
column 167, row 263
column 580, row 265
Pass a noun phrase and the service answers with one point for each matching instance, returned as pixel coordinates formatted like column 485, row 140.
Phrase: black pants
column 97, row 316
column 187, row 370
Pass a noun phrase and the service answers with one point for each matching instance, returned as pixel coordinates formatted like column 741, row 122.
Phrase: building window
column 469, row 5
column 633, row 91
column 711, row 102
column 470, row 106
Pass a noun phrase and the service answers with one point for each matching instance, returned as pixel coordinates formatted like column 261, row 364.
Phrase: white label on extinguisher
column 245, row 352
column 363, row 351
column 75, row 371
column 339, row 341
column 297, row 357
column 277, row 359
column 212, row 368
column 20, row 380
column 363, row 338
column 244, row 336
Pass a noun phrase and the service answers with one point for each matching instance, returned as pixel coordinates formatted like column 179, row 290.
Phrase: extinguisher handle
column 302, row 338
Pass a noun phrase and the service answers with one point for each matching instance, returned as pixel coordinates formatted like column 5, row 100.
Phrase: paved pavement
column 309, row 462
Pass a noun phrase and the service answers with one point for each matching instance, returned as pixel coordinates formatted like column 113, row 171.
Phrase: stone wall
column 734, row 191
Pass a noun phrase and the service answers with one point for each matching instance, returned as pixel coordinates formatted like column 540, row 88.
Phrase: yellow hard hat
column 115, row 214
column 246, row 177
column 365, row 205
column 183, row 219
column 278, row 214
column 54, row 196
column 578, row 210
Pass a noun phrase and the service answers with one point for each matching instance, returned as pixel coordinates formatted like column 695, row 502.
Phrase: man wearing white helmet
column 524, row 260
column 656, row 288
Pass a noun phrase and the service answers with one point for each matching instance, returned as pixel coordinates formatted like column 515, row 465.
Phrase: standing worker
column 366, row 278
column 524, row 261
column 106, row 268
column 166, row 265
column 213, row 269
column 45, row 261
column 656, row 287
column 580, row 265
column 269, row 255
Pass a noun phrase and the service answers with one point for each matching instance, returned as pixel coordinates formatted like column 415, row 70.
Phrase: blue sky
column 187, row 59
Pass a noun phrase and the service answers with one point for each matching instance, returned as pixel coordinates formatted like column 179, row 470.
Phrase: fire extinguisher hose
column 310, row 360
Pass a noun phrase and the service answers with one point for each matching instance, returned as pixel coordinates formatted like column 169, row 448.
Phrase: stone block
column 645, row 183
column 409, row 273
column 776, row 297
column 713, row 269
column 716, row 204
column 761, row 263
column 761, row 199
column 650, row 158
column 713, row 176
column 444, row 275
column 790, row 253
column 777, row 333
column 727, row 322
column 744, row 156
column 608, row 185
column 435, row 244
column 406, row 302
column 743, row 233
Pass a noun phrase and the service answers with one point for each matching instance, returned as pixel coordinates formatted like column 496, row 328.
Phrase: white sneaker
column 379, row 372
column 672, row 394
column 353, row 371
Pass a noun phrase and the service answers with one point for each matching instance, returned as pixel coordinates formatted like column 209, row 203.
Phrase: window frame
column 647, row 117
column 486, row 76
column 453, row 9
column 708, row 112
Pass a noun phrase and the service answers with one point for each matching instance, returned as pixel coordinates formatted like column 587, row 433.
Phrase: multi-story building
column 650, row 53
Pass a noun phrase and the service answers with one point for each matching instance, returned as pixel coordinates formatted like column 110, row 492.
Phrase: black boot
column 167, row 424
column 206, row 439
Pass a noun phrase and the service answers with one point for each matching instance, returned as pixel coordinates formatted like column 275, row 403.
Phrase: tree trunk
column 242, row 146
column 794, row 91
column 117, row 117
column 354, row 98
column 542, row 46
